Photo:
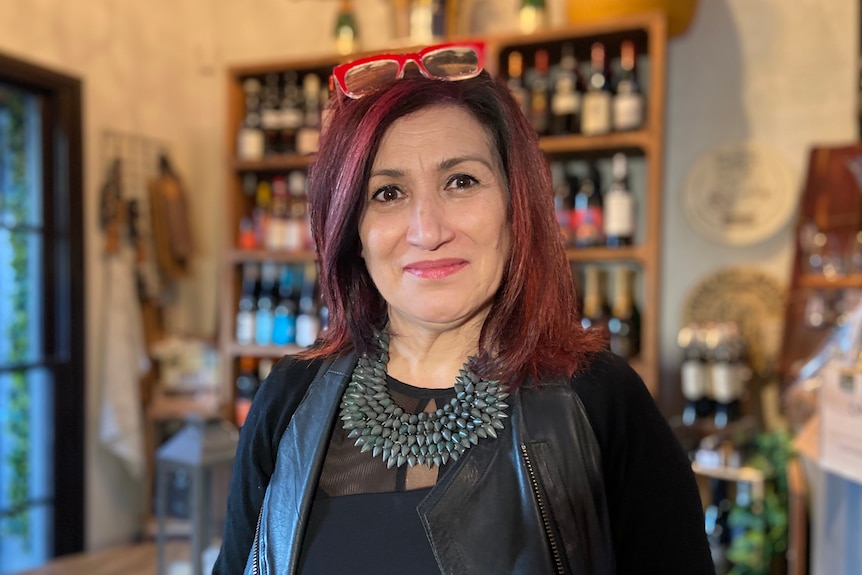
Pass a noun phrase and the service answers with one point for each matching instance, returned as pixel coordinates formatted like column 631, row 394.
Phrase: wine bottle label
column 619, row 214
column 250, row 144
column 270, row 119
column 628, row 111
column 725, row 387
column 307, row 328
column 695, row 379
column 588, row 226
column 307, row 140
column 263, row 327
column 275, row 234
column 245, row 327
column 565, row 103
column 596, row 115
column 292, row 118
column 294, row 234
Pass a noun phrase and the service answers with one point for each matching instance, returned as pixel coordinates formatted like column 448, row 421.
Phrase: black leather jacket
column 530, row 502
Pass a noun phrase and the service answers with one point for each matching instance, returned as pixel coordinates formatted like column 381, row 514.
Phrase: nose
column 430, row 225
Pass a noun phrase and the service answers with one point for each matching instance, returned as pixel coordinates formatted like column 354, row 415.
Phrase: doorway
column 41, row 316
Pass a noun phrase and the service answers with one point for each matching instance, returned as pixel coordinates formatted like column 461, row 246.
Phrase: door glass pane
column 20, row 158
column 26, row 387
column 26, row 488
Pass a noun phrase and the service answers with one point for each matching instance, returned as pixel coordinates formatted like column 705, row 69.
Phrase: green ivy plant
column 14, row 207
column 762, row 529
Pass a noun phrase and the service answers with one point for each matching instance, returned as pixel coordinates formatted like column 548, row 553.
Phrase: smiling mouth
column 437, row 269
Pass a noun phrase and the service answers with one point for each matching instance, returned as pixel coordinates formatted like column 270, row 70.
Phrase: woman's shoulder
column 613, row 394
column 606, row 375
column 290, row 375
column 279, row 395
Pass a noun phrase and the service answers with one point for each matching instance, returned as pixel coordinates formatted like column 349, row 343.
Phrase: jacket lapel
column 299, row 462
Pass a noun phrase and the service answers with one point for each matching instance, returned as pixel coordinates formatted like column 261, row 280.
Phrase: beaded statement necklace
column 372, row 417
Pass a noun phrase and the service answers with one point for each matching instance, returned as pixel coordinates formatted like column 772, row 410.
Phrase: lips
column 435, row 269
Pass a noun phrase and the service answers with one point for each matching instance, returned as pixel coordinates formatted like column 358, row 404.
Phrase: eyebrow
column 446, row 164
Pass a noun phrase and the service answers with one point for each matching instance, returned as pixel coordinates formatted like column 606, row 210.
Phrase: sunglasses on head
column 456, row 61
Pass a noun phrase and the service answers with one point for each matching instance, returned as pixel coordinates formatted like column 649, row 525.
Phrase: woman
column 481, row 430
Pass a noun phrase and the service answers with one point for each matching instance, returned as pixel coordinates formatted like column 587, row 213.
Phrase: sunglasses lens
column 452, row 63
column 364, row 78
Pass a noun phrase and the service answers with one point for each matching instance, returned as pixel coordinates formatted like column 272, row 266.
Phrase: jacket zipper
column 543, row 510
column 255, row 549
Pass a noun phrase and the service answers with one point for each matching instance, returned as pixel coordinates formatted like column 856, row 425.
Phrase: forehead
column 449, row 129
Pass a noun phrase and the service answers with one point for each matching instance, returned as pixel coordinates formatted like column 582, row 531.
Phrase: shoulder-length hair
column 533, row 328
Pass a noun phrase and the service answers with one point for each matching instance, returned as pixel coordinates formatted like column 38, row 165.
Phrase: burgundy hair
column 533, row 328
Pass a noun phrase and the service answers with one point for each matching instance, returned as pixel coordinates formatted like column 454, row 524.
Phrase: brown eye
column 387, row 194
column 462, row 181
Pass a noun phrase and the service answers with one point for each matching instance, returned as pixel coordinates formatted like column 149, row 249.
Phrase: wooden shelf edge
column 235, row 349
column 630, row 253
column 837, row 282
column 273, row 163
column 235, row 256
column 640, row 140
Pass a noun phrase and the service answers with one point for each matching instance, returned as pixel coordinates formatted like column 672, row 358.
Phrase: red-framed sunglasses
column 453, row 61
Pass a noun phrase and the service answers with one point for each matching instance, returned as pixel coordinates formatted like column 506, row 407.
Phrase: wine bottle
column 276, row 228
column 588, row 213
column 539, row 108
column 264, row 316
column 250, row 140
column 532, row 16
column 596, row 115
column 292, row 115
column 308, row 320
column 694, row 373
column 624, row 324
column 270, row 115
column 244, row 328
column 566, row 97
column 619, row 217
column 284, row 317
column 628, row 100
column 262, row 212
column 729, row 374
column 308, row 136
column 564, row 194
column 346, row 31
column 298, row 229
column 247, row 383
column 595, row 314
column 515, row 82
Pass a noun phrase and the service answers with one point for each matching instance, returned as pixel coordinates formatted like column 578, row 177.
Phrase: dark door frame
column 63, row 255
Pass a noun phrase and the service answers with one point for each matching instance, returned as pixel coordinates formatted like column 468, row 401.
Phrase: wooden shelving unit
column 649, row 33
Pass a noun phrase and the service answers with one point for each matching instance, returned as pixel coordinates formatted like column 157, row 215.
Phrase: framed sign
column 739, row 194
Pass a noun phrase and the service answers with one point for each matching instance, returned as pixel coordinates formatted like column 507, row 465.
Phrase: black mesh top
column 364, row 518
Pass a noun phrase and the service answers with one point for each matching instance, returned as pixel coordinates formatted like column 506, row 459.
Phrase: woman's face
column 435, row 235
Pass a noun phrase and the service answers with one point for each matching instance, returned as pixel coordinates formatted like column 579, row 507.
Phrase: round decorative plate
column 739, row 194
column 749, row 297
